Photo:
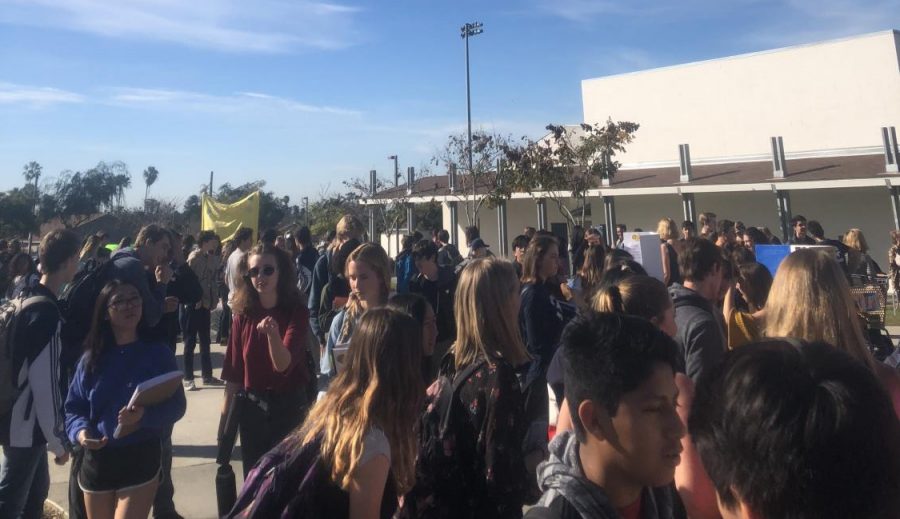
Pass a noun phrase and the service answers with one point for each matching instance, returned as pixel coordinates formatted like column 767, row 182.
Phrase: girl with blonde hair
column 489, row 350
column 368, row 271
column 810, row 300
column 668, row 236
column 860, row 265
column 356, row 451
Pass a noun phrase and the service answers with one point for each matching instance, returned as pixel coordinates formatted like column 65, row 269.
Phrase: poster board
column 645, row 248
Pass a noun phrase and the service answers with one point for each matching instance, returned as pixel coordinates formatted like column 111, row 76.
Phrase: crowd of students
column 564, row 382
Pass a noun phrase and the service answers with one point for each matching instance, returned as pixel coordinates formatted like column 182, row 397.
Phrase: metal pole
column 210, row 184
column 468, row 101
column 306, row 210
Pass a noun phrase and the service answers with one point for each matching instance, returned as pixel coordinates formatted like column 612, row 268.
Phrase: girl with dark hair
column 22, row 274
column 356, row 451
column 265, row 360
column 745, row 304
column 589, row 273
column 416, row 306
column 119, row 476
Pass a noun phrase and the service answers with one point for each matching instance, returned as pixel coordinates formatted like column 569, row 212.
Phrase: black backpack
column 444, row 487
column 77, row 303
column 327, row 308
column 9, row 315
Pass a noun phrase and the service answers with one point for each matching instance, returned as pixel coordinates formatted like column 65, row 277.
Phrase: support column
column 372, row 190
column 688, row 207
column 454, row 223
column 609, row 214
column 502, row 229
column 411, row 218
column 895, row 204
column 783, row 202
column 541, row 214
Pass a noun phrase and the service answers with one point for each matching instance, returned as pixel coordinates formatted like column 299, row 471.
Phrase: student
column 448, row 254
column 265, row 358
column 243, row 240
column 860, row 265
column 620, row 386
column 204, row 263
column 590, row 272
column 620, row 236
column 810, row 300
column 369, row 273
column 707, row 224
column 348, row 228
column 668, row 235
column 437, row 285
column 119, row 475
column 751, row 290
column 541, row 319
column 34, row 423
column 486, row 307
column 361, row 431
column 799, row 236
column 22, row 274
column 404, row 265
column 416, row 306
column 519, row 246
column 797, row 430
column 701, row 335
column 688, row 230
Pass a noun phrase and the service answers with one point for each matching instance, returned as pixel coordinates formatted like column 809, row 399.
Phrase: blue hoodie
column 95, row 398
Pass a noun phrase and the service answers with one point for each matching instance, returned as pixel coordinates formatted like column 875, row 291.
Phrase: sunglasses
column 266, row 270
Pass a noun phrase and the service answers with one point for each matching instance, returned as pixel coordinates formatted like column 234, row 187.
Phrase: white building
column 830, row 108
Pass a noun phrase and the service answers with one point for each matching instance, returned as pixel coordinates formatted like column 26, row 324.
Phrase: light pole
column 396, row 220
column 466, row 31
column 306, row 210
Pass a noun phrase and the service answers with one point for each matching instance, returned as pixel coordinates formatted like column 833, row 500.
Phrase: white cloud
column 258, row 26
column 249, row 102
column 38, row 97
column 589, row 10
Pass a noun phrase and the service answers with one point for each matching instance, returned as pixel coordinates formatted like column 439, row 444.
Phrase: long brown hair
column 101, row 334
column 381, row 387
column 591, row 271
column 373, row 256
column 485, row 325
column 538, row 247
column 810, row 300
column 246, row 298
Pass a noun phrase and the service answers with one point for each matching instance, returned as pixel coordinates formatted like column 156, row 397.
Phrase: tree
column 32, row 172
column 17, row 213
column 75, row 197
column 484, row 184
column 568, row 162
column 150, row 177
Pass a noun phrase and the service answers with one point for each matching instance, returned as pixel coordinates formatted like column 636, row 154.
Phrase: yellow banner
column 226, row 219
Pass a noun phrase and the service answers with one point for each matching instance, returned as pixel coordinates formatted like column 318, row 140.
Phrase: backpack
column 447, row 439
column 283, row 484
column 330, row 304
column 451, row 253
column 9, row 313
column 78, row 300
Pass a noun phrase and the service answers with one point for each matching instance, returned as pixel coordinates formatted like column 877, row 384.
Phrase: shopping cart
column 871, row 302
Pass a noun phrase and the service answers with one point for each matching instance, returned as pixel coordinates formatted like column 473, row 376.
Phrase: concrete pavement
column 194, row 440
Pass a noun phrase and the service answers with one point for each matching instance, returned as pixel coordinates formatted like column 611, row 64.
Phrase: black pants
column 265, row 420
column 197, row 324
column 164, row 502
column 224, row 320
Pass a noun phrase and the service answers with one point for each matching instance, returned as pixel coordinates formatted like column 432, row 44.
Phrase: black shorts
column 114, row 469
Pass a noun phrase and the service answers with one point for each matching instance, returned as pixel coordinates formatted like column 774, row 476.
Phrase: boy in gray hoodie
column 620, row 459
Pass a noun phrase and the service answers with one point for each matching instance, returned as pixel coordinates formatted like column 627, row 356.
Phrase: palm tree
column 150, row 176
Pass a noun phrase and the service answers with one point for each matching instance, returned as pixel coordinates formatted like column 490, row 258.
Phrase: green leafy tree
column 17, row 212
column 76, row 196
column 568, row 162
column 484, row 185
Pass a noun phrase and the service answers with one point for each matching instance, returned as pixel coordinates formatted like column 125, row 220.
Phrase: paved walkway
column 194, row 463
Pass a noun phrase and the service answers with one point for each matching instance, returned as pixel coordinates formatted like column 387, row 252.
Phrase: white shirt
column 233, row 273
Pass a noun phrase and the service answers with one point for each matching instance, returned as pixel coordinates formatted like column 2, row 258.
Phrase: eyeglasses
column 122, row 303
column 267, row 270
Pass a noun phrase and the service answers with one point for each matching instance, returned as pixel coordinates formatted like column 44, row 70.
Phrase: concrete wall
column 830, row 95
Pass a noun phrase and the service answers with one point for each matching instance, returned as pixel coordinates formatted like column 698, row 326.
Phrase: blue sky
column 307, row 94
